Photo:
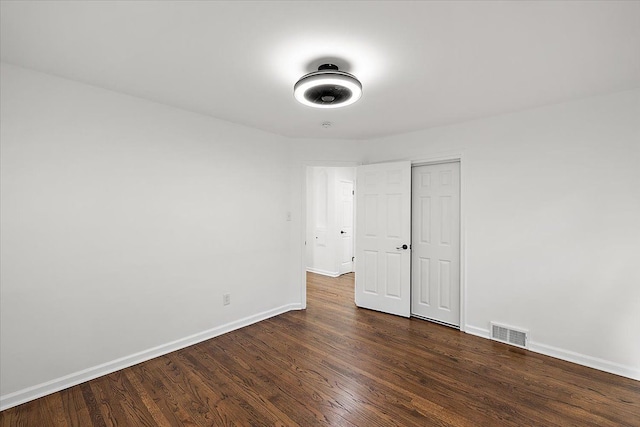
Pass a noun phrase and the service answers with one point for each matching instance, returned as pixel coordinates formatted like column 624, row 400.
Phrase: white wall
column 551, row 223
column 123, row 224
column 320, row 252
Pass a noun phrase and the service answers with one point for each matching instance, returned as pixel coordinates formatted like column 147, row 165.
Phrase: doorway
column 330, row 242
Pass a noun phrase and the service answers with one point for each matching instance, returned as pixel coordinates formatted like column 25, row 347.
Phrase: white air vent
column 509, row 335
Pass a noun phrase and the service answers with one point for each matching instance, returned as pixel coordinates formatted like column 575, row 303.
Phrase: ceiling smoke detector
column 327, row 88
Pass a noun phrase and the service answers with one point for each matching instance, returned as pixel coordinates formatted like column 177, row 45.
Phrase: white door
column 435, row 262
column 345, row 224
column 383, row 233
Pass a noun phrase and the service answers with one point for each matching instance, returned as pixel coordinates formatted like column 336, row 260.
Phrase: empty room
column 332, row 213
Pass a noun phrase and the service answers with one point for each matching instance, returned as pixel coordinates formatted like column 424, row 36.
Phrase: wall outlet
column 226, row 299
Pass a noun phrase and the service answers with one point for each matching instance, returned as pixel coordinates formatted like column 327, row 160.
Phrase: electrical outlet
column 226, row 299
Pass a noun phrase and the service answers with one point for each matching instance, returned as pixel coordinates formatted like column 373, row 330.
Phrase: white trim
column 584, row 360
column 445, row 157
column 34, row 392
column 323, row 272
column 569, row 356
column 463, row 238
column 478, row 332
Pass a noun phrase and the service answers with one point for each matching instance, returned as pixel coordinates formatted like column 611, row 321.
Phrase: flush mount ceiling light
column 327, row 88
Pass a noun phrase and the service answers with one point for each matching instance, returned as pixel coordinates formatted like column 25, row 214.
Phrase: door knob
column 343, row 232
column 402, row 247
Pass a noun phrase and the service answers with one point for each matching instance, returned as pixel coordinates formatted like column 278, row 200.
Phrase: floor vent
column 509, row 335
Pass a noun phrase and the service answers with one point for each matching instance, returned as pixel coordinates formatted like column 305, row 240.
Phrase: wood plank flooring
column 337, row 365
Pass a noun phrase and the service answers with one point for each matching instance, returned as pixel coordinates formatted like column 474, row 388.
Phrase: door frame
column 303, row 218
column 449, row 158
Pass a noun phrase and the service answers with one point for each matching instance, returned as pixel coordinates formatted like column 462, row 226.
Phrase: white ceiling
column 422, row 64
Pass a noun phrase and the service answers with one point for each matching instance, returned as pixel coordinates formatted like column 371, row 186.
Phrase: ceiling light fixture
column 327, row 88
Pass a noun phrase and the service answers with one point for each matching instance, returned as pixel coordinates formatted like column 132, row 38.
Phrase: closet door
column 435, row 261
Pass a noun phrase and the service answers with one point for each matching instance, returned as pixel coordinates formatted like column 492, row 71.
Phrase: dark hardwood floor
column 337, row 365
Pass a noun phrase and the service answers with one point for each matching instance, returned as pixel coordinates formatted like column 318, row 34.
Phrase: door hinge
column 353, row 258
column 353, row 192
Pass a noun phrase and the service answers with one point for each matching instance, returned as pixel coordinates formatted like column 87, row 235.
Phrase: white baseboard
column 479, row 332
column 589, row 361
column 34, row 392
column 569, row 356
column 323, row 272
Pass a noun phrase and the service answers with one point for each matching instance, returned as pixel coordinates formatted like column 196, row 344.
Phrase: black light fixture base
column 328, row 67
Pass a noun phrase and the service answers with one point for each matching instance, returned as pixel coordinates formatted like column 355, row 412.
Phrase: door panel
column 383, row 226
column 436, row 242
column 370, row 272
